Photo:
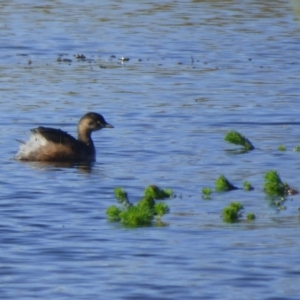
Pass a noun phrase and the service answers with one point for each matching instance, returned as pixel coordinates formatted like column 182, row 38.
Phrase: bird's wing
column 55, row 135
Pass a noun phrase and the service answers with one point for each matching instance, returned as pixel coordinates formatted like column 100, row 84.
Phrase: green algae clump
column 231, row 213
column 236, row 138
column 297, row 149
column 121, row 196
column 273, row 185
column 113, row 213
column 247, row 186
column 161, row 209
column 281, row 148
column 146, row 212
column 223, row 185
column 154, row 192
column 135, row 216
column 251, row 217
column 206, row 193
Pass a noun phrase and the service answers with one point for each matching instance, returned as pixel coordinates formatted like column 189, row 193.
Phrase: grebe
column 50, row 144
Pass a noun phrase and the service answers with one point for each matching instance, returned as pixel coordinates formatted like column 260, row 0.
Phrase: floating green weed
column 146, row 203
column 231, row 213
column 135, row 216
column 141, row 214
column 236, row 138
column 154, row 192
column 206, row 192
column 273, row 185
column 297, row 149
column 121, row 196
column 223, row 185
column 281, row 148
column 251, row 216
column 113, row 213
column 161, row 209
column 247, row 186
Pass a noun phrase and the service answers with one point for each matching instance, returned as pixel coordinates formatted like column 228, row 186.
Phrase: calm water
column 197, row 69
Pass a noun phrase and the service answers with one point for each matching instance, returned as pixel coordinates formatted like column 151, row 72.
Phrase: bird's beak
column 108, row 126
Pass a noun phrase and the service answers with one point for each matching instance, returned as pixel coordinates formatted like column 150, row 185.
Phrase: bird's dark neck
column 84, row 136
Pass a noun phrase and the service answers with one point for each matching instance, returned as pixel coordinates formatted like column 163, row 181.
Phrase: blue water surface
column 196, row 69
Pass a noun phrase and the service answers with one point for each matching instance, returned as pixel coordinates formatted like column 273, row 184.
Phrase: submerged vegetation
column 247, row 186
column 232, row 212
column 236, row 138
column 121, row 196
column 273, row 185
column 223, row 185
column 251, row 216
column 143, row 213
column 276, row 189
column 297, row 149
column 154, row 192
column 148, row 212
column 281, row 148
column 206, row 193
